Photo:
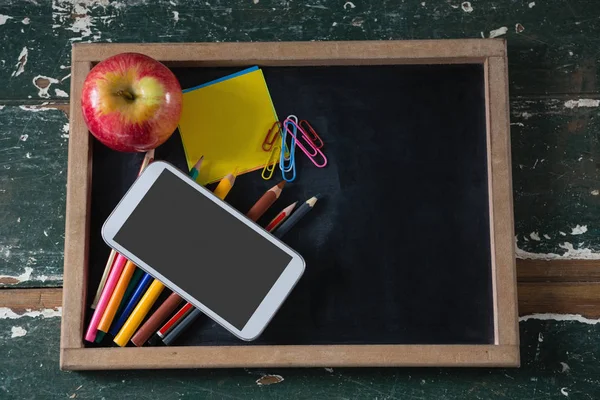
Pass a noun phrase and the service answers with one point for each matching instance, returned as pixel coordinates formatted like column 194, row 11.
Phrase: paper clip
column 311, row 133
column 272, row 136
column 267, row 172
column 309, row 143
column 290, row 167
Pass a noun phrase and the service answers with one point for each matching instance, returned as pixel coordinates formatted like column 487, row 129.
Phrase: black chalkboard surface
column 398, row 248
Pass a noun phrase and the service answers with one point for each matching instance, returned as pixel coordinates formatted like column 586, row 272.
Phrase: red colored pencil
column 174, row 320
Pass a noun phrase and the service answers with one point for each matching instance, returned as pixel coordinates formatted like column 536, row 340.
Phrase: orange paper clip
column 272, row 135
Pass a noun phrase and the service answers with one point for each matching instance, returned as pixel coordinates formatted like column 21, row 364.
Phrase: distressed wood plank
column 555, row 53
column 556, row 179
column 33, row 159
column 545, row 346
column 20, row 300
column 560, row 298
column 558, row 271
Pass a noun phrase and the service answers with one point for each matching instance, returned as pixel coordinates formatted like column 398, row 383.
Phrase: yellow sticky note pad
column 226, row 121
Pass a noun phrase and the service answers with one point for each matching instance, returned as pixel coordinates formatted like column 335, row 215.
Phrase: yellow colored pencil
column 224, row 186
column 147, row 301
column 139, row 313
column 117, row 296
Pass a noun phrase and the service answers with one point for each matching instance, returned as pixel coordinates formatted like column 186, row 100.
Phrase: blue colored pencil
column 137, row 295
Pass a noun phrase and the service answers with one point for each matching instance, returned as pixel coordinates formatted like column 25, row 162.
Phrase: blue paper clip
column 290, row 167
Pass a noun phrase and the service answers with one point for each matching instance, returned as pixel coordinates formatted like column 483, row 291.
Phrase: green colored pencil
column 196, row 169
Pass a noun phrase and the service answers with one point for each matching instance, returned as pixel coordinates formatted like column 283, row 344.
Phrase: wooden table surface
column 554, row 48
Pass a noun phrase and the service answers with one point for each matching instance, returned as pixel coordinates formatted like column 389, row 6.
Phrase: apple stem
column 125, row 94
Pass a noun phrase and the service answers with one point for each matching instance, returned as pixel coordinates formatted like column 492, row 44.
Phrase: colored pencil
column 111, row 282
column 174, row 320
column 266, row 201
column 293, row 220
column 275, row 222
column 195, row 171
column 153, row 323
column 117, row 296
column 133, row 284
column 179, row 325
column 139, row 291
column 148, row 158
column 224, row 186
column 138, row 314
column 107, row 268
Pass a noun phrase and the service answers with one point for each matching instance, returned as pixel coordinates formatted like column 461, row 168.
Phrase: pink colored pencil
column 109, row 288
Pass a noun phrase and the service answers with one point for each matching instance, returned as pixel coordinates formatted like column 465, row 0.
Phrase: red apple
column 131, row 102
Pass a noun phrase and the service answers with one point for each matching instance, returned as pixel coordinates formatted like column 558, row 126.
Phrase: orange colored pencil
column 117, row 296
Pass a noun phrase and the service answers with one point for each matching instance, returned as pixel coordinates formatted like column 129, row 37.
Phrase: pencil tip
column 199, row 162
column 281, row 184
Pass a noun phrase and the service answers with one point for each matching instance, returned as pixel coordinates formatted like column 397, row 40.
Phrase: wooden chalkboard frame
column 489, row 53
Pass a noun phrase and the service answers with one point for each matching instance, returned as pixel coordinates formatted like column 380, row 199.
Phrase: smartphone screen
column 202, row 249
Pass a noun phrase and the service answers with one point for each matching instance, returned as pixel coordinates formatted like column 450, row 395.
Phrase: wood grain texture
column 558, row 271
column 19, row 300
column 501, row 207
column 560, row 298
column 302, row 53
column 544, row 346
column 290, row 356
column 77, row 217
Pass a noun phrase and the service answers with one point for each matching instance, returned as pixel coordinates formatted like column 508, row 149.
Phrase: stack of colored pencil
column 126, row 294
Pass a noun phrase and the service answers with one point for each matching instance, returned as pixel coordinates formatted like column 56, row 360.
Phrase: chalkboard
column 398, row 249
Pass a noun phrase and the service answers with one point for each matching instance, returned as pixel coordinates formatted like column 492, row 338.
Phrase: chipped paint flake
column 564, row 367
column 26, row 21
column 27, row 155
column 467, row 7
column 267, row 380
column 498, row 32
column 25, row 276
column 535, row 236
column 595, row 192
column 349, row 4
column 34, row 109
column 21, row 61
column 562, row 233
column 330, row 370
column 255, row 1
column 17, row 331
column 582, row 103
column 519, row 28
column 560, row 318
column 564, row 392
column 4, row 18
column 43, row 84
column 579, row 230
column 60, row 93
column 546, row 236
column 175, row 16
column 7, row 313
column 532, row 4
column 23, row 138
column 570, row 253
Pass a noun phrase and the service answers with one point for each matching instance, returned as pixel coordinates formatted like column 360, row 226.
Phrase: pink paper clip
column 304, row 137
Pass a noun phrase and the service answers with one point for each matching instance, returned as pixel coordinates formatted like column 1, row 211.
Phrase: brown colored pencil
column 266, row 201
column 153, row 323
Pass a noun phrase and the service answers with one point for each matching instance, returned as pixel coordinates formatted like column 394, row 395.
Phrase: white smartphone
column 203, row 249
